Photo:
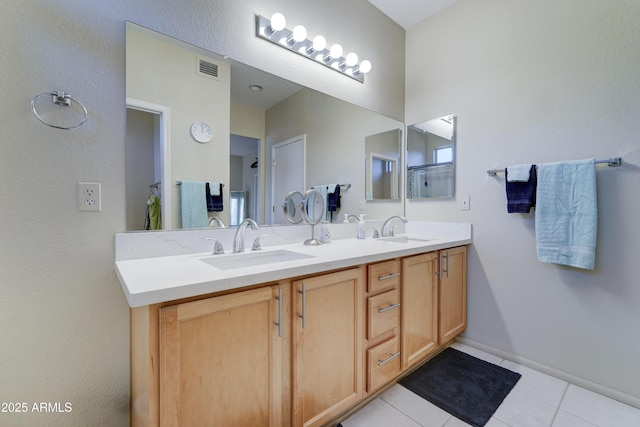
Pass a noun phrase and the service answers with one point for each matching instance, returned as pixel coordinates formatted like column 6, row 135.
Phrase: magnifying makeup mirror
column 292, row 207
column 308, row 207
column 312, row 213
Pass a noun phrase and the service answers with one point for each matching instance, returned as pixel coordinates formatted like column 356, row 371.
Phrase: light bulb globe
column 351, row 59
column 365, row 66
column 299, row 33
column 335, row 51
column 319, row 43
column 278, row 22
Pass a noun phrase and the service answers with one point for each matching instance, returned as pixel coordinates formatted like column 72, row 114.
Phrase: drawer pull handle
column 303, row 316
column 279, row 322
column 391, row 307
column 440, row 264
column 388, row 359
column 388, row 276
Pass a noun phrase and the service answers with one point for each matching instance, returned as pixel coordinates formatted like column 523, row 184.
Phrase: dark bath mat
column 466, row 387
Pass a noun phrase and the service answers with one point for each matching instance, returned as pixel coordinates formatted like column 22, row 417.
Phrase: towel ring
column 63, row 99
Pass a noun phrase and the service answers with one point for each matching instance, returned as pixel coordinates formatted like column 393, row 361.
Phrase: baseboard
column 581, row 382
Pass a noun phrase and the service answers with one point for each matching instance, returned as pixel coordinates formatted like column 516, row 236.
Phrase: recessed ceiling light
column 255, row 88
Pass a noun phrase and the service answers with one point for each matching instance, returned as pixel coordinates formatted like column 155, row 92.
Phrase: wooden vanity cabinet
column 300, row 352
column 419, row 308
column 434, row 302
column 452, row 293
column 327, row 346
column 224, row 360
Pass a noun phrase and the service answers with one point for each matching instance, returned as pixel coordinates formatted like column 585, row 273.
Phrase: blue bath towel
column 333, row 197
column 214, row 197
column 567, row 213
column 521, row 195
column 193, row 204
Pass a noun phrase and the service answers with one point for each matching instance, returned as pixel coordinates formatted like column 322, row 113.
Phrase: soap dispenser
column 362, row 233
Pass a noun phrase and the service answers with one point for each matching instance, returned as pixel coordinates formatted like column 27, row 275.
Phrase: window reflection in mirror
column 431, row 158
column 382, row 169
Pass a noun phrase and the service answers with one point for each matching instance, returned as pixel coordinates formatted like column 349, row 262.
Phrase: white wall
column 64, row 333
column 534, row 82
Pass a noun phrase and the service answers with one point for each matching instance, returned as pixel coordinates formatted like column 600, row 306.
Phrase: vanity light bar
column 275, row 31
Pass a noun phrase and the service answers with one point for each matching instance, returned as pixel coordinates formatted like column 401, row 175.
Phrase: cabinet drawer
column 383, row 363
column 383, row 275
column 383, row 313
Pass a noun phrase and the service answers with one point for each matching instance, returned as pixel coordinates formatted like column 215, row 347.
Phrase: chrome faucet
column 238, row 240
column 217, row 222
column 218, row 249
column 384, row 231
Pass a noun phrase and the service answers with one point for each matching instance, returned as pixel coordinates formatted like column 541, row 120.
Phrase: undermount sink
column 402, row 239
column 249, row 259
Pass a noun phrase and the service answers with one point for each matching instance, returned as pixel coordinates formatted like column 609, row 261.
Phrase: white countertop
column 158, row 279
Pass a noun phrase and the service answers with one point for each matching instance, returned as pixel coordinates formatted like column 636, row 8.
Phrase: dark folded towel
column 333, row 200
column 214, row 203
column 521, row 195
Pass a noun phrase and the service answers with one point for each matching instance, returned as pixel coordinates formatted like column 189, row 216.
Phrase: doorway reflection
column 244, row 196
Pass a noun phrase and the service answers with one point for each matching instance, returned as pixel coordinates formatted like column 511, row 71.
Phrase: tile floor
column 537, row 400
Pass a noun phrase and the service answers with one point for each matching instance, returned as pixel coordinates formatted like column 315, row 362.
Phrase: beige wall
column 250, row 122
column 247, row 121
column 335, row 151
column 64, row 319
column 536, row 82
column 164, row 73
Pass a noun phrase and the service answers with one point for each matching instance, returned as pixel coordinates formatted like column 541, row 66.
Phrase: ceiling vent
column 207, row 68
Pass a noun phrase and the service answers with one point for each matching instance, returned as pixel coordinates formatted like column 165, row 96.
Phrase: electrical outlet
column 464, row 203
column 89, row 196
column 361, row 205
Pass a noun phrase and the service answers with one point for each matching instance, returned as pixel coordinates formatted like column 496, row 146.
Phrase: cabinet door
column 328, row 374
column 453, row 292
column 220, row 361
column 419, row 294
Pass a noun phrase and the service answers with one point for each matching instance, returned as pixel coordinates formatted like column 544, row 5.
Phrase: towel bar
column 178, row 182
column 344, row 186
column 612, row 162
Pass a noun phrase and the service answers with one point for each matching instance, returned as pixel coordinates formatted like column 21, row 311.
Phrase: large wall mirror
column 173, row 87
column 431, row 158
